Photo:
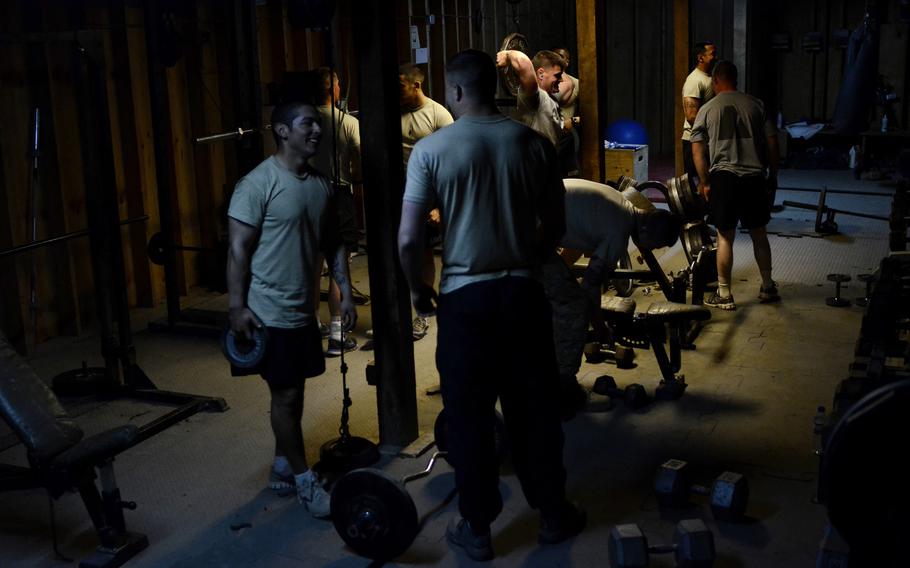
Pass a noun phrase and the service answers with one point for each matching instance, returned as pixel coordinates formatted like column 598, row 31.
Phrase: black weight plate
column 861, row 479
column 623, row 286
column 638, row 199
column 440, row 434
column 374, row 514
column 243, row 354
column 693, row 237
column 508, row 80
column 156, row 250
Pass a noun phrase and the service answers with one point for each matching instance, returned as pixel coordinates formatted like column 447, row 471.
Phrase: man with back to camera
column 697, row 90
column 494, row 181
column 743, row 150
column 281, row 214
column 420, row 117
column 539, row 81
column 346, row 143
column 599, row 223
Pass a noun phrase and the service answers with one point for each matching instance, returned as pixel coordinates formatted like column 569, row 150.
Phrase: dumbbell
column 836, row 301
column 869, row 279
column 596, row 352
column 693, row 546
column 634, row 395
column 729, row 492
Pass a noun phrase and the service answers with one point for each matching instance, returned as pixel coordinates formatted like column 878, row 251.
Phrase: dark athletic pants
column 495, row 339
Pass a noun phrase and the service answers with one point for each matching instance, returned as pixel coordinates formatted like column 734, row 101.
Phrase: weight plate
column 684, row 200
column 623, row 286
column 638, row 199
column 156, row 249
column 625, row 183
column 500, row 441
column 374, row 514
column 693, row 237
column 508, row 80
column 241, row 353
column 861, row 479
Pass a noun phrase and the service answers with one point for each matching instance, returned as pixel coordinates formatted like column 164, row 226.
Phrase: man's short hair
column 323, row 82
column 548, row 58
column 661, row 227
column 475, row 72
column 725, row 71
column 701, row 48
column 411, row 73
column 285, row 113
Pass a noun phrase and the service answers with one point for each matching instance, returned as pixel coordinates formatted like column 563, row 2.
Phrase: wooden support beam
column 383, row 174
column 680, row 71
column 589, row 17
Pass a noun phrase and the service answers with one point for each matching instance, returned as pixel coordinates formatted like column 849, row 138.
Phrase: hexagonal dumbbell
column 693, row 546
column 729, row 493
column 634, row 395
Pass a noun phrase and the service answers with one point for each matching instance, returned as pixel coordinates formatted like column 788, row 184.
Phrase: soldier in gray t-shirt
column 599, row 223
column 743, row 149
column 539, row 82
column 500, row 198
column 281, row 215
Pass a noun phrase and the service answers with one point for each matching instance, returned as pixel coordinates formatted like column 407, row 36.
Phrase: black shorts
column 291, row 356
column 738, row 199
column 432, row 236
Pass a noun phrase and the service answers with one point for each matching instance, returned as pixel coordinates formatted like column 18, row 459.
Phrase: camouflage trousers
column 571, row 314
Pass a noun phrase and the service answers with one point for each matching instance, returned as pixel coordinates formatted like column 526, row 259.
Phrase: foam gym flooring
column 755, row 381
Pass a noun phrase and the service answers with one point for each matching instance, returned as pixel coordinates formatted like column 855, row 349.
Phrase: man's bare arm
column 567, row 94
column 690, row 108
column 341, row 273
column 242, row 240
column 411, row 245
column 700, row 157
column 523, row 68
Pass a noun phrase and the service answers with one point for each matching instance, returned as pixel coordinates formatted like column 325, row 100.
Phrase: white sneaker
column 313, row 495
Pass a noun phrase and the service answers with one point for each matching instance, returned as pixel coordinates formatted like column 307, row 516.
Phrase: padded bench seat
column 673, row 312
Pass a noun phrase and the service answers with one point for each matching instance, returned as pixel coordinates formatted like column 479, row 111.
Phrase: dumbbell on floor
column 596, row 352
column 634, row 395
column 837, row 301
column 869, row 279
column 729, row 493
column 693, row 546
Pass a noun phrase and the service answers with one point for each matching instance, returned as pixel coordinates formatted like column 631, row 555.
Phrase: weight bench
column 61, row 459
column 662, row 321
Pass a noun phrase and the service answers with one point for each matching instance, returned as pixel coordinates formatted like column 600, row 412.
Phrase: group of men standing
column 495, row 188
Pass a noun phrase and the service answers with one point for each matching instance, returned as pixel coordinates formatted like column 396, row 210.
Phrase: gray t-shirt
column 698, row 85
column 735, row 127
column 296, row 218
column 347, row 142
column 490, row 177
column 540, row 112
column 421, row 122
column 599, row 219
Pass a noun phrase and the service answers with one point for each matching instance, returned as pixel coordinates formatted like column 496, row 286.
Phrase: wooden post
column 680, row 71
column 383, row 175
column 589, row 17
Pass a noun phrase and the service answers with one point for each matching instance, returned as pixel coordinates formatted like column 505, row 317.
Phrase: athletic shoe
column 478, row 547
column 324, row 330
column 313, row 495
column 715, row 301
column 562, row 525
column 769, row 294
column 420, row 327
column 334, row 349
column 280, row 481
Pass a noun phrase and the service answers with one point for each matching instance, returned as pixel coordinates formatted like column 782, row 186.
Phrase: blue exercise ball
column 626, row 131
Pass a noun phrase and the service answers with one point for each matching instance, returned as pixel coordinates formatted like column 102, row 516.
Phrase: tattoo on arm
column 338, row 269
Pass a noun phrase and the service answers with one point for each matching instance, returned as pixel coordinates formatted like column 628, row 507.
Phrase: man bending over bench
column 599, row 223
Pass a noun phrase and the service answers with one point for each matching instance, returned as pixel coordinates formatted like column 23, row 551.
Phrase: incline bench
column 61, row 459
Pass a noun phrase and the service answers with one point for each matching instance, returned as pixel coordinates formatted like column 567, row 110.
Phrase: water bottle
column 884, row 123
column 780, row 119
column 818, row 425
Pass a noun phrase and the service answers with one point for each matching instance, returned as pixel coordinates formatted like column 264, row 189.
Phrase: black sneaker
column 420, row 326
column 563, row 525
column 478, row 547
column 769, row 294
column 334, row 349
column 715, row 301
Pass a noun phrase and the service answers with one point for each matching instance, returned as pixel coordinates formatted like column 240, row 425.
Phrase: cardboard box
column 626, row 160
